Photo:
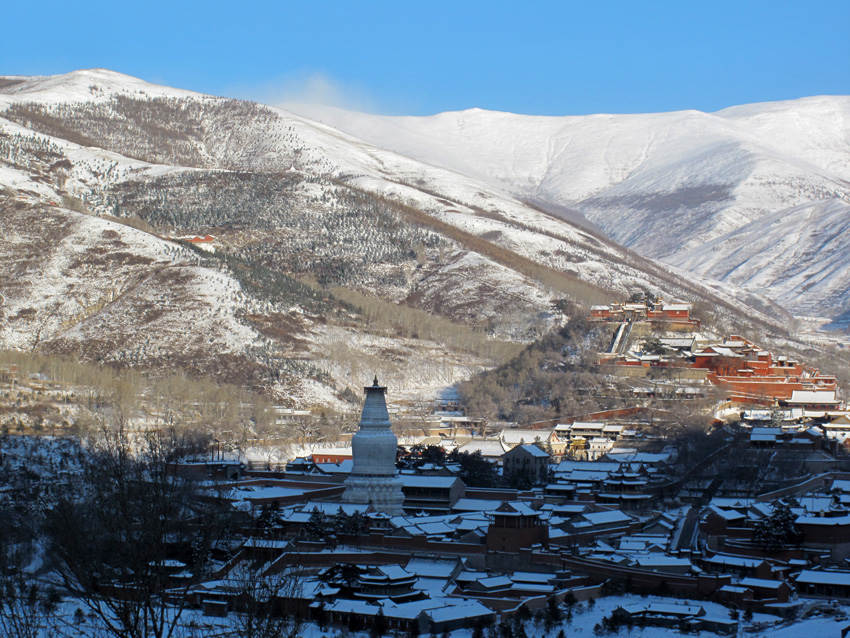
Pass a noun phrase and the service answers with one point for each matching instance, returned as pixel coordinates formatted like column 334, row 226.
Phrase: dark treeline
column 556, row 375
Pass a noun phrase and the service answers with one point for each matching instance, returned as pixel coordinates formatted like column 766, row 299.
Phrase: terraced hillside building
column 374, row 479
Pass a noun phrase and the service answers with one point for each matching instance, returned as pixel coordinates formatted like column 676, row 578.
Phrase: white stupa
column 374, row 478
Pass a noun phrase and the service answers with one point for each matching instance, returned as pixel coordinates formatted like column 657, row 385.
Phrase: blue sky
column 424, row 57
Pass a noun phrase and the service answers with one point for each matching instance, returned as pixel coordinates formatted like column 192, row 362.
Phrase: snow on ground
column 656, row 181
column 813, row 241
column 472, row 170
column 87, row 85
column 548, row 150
column 313, row 393
column 20, row 181
column 101, row 279
column 584, row 620
column 577, row 156
column 221, row 294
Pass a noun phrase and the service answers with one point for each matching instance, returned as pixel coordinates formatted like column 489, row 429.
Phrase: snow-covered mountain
column 665, row 184
column 801, row 254
column 319, row 233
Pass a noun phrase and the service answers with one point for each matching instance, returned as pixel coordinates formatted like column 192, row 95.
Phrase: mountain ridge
column 631, row 175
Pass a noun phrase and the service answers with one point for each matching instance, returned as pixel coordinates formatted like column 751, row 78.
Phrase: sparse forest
column 80, row 398
column 160, row 130
column 556, row 375
column 285, row 222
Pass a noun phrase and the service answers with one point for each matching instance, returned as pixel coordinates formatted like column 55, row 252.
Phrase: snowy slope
column 800, row 254
column 664, row 184
column 270, row 140
column 574, row 157
column 86, row 85
column 86, row 280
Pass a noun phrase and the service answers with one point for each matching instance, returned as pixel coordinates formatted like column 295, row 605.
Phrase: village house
column 430, row 493
column 527, row 463
column 826, row 583
column 673, row 316
column 512, row 437
column 490, row 449
column 513, row 526
column 692, row 618
column 332, row 455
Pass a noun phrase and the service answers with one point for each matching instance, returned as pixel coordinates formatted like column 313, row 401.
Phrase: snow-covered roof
column 361, row 607
column 818, row 577
column 533, row 450
column 426, row 480
column 587, row 475
column 825, row 521
column 840, row 486
column 613, row 428
column 602, row 518
column 761, row 583
column 388, row 572
column 469, row 576
column 532, row 577
column 596, row 466
column 813, row 396
column 496, row 582
column 588, row 425
column 431, row 567
column 476, row 504
column 458, row 610
column 762, row 437
column 733, row 561
column 641, row 457
column 343, row 467
column 487, row 447
column 514, row 436
column 721, row 351
column 660, row 560
column 533, row 587
column 333, row 450
column 435, row 529
column 729, row 515
column 518, row 508
column 766, row 430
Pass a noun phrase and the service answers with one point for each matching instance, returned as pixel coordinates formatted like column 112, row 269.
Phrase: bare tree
column 265, row 600
column 121, row 534
column 26, row 607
